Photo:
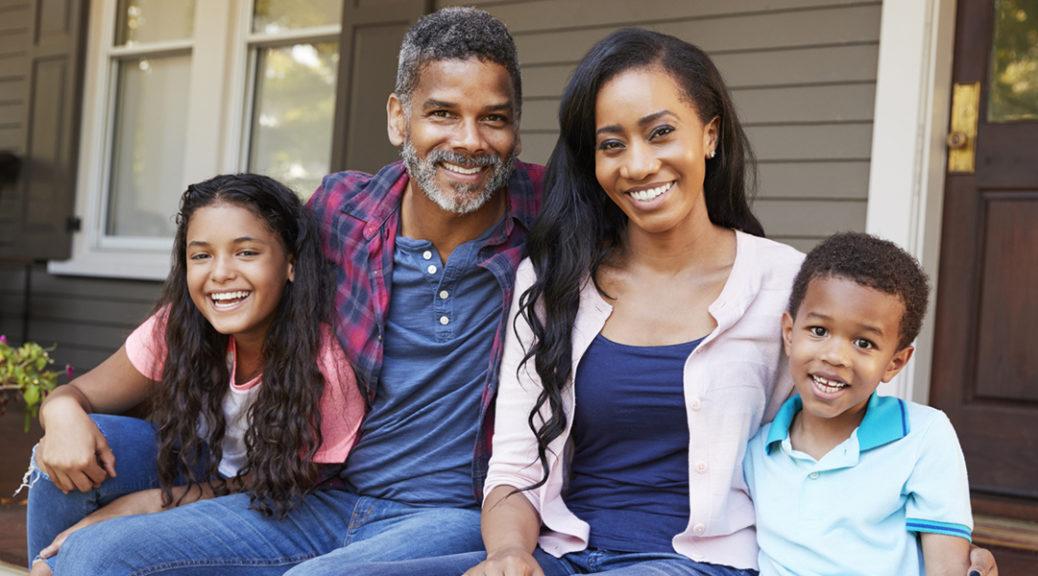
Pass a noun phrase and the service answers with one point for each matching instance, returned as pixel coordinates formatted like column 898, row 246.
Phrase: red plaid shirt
column 359, row 216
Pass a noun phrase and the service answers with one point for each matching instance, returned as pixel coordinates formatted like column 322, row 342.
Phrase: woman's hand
column 73, row 453
column 143, row 502
column 507, row 562
column 982, row 562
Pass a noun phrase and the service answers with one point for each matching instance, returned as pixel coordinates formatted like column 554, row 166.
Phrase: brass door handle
column 963, row 137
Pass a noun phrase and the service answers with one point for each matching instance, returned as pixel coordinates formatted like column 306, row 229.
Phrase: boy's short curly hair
column 456, row 33
column 872, row 262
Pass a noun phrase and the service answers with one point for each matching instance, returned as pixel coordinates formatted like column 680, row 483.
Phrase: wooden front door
column 985, row 371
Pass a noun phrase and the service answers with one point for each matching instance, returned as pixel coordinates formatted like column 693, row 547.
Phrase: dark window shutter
column 36, row 209
column 370, row 42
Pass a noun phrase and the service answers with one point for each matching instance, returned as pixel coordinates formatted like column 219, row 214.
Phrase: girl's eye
column 817, row 331
column 864, row 344
column 199, row 256
column 661, row 131
column 247, row 253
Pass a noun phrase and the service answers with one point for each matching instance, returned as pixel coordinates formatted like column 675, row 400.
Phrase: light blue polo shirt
column 858, row 510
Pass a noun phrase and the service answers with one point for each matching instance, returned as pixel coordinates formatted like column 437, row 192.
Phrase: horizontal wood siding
column 15, row 29
column 85, row 319
column 802, row 74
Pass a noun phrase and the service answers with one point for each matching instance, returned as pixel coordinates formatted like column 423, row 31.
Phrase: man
column 425, row 253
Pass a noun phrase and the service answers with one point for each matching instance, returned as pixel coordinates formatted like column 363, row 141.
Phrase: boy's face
column 842, row 344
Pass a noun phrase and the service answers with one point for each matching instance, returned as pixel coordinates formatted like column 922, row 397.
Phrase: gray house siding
column 14, row 81
column 802, row 72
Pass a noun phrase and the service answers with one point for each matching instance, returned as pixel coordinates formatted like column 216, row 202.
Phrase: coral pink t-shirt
column 342, row 406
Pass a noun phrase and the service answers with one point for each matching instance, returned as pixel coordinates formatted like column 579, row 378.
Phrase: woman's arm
column 73, row 452
column 510, row 528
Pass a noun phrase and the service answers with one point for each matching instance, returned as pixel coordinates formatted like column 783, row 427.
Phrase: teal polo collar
column 885, row 421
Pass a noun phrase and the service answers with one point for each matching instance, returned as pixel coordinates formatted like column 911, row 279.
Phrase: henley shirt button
column 427, row 255
column 444, row 294
column 698, row 529
column 813, row 475
column 701, row 467
column 431, row 269
column 444, row 320
column 695, row 404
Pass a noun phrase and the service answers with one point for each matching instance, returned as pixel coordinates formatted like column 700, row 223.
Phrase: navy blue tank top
column 629, row 475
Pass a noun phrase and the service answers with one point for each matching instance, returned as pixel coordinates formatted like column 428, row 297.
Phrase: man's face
column 460, row 132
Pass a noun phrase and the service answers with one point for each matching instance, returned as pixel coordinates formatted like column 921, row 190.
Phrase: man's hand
column 507, row 562
column 143, row 502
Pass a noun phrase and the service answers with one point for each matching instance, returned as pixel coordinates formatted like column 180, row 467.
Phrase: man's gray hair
column 456, row 34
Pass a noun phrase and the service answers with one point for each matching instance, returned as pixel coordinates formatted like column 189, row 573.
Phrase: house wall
column 15, row 16
column 802, row 73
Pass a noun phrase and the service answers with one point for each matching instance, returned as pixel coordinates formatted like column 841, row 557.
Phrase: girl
column 248, row 387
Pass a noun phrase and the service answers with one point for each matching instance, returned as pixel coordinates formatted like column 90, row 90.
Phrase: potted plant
column 24, row 373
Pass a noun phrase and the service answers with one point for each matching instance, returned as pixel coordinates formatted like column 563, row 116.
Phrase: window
column 177, row 91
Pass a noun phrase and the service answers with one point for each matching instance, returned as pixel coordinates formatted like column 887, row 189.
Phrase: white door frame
column 906, row 176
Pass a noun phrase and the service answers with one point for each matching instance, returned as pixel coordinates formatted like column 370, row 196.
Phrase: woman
column 651, row 296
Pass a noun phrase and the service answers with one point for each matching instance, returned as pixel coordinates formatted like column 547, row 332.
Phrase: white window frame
column 219, row 109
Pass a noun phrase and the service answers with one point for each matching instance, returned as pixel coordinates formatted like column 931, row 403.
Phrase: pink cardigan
column 735, row 380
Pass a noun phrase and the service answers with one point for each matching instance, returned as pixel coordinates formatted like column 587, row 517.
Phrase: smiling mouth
column 227, row 300
column 827, row 385
column 649, row 194
column 462, row 170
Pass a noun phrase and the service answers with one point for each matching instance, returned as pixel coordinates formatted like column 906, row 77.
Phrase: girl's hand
column 73, row 452
column 507, row 562
column 143, row 502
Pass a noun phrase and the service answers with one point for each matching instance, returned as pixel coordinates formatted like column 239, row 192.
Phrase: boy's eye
column 817, row 331
column 864, row 344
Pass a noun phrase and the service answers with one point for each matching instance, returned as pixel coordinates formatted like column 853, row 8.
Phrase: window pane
column 272, row 16
column 1014, row 62
column 291, row 137
column 148, row 146
column 154, row 21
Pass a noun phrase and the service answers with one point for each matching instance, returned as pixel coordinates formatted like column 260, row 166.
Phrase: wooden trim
column 1003, row 507
column 996, row 531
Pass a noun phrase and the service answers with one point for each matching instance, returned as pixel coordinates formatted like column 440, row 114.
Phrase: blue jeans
column 589, row 561
column 50, row 511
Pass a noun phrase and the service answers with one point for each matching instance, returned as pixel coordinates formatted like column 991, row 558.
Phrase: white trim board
column 906, row 176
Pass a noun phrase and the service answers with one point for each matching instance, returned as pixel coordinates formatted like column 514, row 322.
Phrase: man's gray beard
column 465, row 198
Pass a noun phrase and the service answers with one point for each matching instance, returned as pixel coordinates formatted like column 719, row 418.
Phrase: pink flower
column 3, row 339
column 69, row 372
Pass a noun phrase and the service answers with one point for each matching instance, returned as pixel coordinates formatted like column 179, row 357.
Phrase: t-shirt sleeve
column 938, row 490
column 342, row 406
column 146, row 346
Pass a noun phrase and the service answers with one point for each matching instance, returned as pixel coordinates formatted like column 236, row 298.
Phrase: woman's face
column 651, row 150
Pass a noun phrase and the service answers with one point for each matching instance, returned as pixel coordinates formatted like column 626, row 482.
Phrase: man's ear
column 396, row 124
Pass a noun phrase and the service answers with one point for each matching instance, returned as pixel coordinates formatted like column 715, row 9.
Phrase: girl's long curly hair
column 285, row 420
column 580, row 227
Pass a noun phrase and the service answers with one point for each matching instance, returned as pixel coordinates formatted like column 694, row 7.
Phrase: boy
column 845, row 481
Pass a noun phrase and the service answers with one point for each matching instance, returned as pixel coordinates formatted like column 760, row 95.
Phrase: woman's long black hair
column 580, row 227
column 285, row 420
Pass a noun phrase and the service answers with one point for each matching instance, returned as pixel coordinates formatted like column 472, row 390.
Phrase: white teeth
column 651, row 193
column 461, row 169
column 830, row 386
column 222, row 296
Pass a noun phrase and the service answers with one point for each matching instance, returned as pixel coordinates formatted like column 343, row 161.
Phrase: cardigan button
column 695, row 404
column 699, row 529
column 702, row 467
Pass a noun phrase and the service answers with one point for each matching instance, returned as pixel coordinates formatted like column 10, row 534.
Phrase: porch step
column 12, row 570
column 1005, row 533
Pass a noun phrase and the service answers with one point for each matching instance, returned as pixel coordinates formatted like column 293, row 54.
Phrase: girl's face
column 236, row 270
column 651, row 150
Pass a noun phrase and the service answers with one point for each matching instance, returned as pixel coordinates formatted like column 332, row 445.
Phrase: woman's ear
column 291, row 272
column 710, row 136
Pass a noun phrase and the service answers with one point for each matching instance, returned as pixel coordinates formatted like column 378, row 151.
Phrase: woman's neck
column 692, row 246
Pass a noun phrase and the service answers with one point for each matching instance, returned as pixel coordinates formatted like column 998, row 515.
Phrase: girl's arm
column 510, row 528
column 945, row 555
column 73, row 452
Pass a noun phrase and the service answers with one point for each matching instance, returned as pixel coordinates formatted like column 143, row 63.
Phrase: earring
column 712, row 153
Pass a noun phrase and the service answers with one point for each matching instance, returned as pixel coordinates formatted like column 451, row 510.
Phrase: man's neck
column 423, row 219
